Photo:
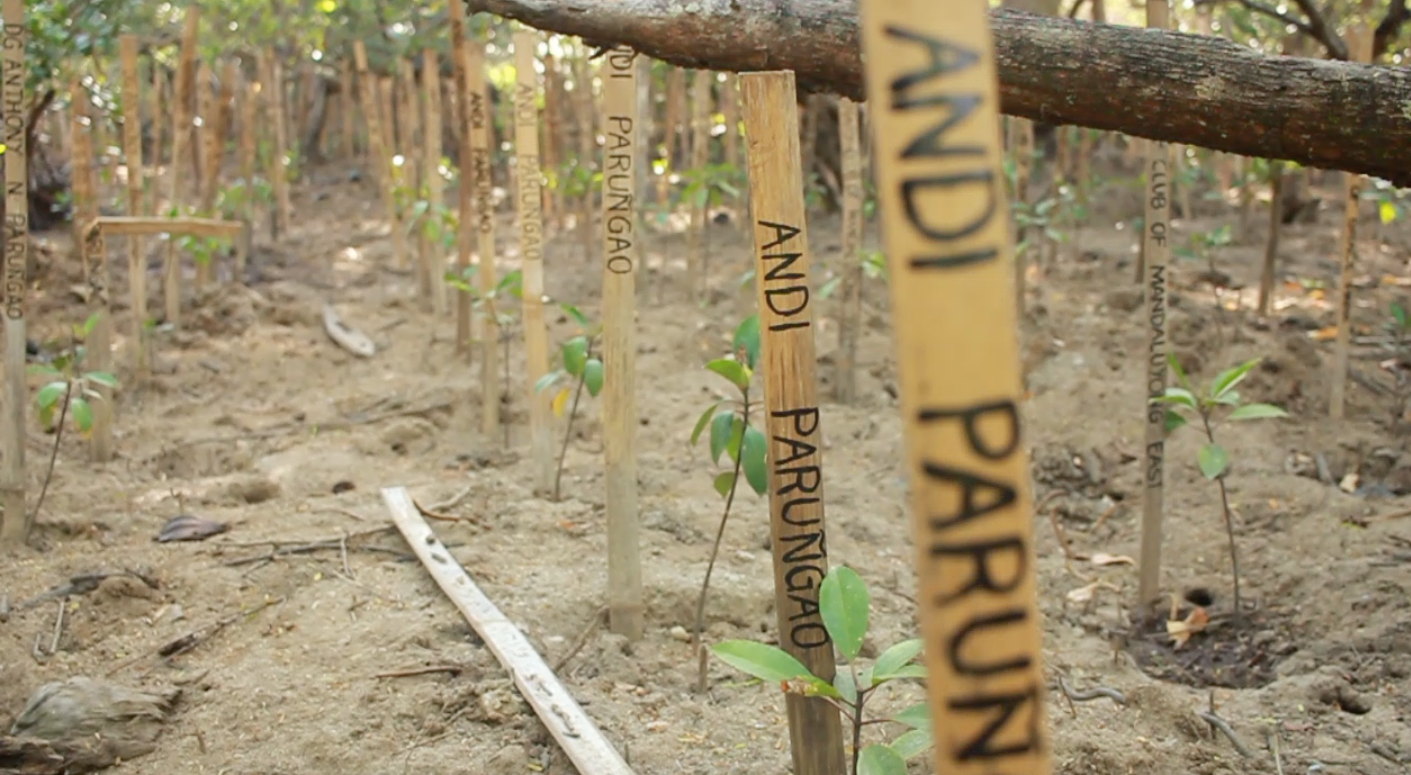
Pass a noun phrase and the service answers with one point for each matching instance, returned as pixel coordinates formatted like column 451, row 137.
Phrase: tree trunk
column 1168, row 86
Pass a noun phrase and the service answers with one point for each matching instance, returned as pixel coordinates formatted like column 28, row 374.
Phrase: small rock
column 744, row 556
column 679, row 633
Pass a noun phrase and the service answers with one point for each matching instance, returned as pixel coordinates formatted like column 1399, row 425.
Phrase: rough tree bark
column 1160, row 85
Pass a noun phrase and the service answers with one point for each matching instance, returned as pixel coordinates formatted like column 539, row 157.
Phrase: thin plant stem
column 1229, row 521
column 568, row 432
column 856, row 717
column 715, row 548
column 53, row 454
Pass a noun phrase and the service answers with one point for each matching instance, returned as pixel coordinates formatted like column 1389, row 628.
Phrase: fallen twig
column 1095, row 693
column 196, row 637
column 582, row 640
column 415, row 671
column 58, row 627
column 1224, row 726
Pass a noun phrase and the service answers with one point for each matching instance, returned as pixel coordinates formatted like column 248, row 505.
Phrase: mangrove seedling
column 581, row 368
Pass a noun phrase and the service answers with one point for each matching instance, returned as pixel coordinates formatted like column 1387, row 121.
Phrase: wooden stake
column 932, row 96
column 349, row 102
column 180, row 135
column 1271, row 248
column 571, row 728
column 465, row 105
column 127, row 225
column 93, row 249
column 432, row 255
column 158, row 133
column 377, row 151
column 587, row 146
column 787, row 363
column 482, row 132
column 621, row 155
column 1157, row 251
column 528, row 177
column 249, row 133
column 850, row 317
column 730, row 109
column 208, row 137
column 279, row 161
column 696, row 270
column 396, row 174
column 132, row 150
column 16, row 520
column 1021, row 135
column 1359, row 44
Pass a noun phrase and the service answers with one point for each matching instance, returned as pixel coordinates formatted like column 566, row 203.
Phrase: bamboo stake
column 132, row 150
column 349, row 143
column 17, row 521
column 621, row 156
column 528, row 177
column 787, row 363
column 396, row 166
column 432, row 257
column 696, row 270
column 279, row 162
column 554, row 107
column 249, row 132
column 1021, row 135
column 1359, row 44
column 93, row 249
column 730, row 109
column 412, row 160
column 1271, row 248
column 207, row 135
column 465, row 105
column 587, row 146
column 158, row 132
column 850, row 318
column 932, row 92
column 481, row 132
column 1157, row 252
column 180, row 135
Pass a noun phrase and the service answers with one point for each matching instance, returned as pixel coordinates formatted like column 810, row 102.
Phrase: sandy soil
column 257, row 419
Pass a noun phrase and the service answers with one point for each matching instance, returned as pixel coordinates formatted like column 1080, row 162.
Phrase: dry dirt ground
column 255, row 418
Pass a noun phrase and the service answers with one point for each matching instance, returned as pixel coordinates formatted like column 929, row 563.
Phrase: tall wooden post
column 17, row 520
column 132, row 150
column 792, row 420
column 621, row 155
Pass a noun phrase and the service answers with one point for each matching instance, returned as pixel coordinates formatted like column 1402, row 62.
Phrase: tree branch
column 1389, row 28
column 1269, row 11
column 1319, row 29
column 1160, row 85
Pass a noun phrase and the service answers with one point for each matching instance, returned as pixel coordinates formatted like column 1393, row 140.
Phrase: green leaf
column 1177, row 395
column 722, row 432
column 1180, row 372
column 747, row 338
column 543, row 383
column 844, row 604
column 1256, row 412
column 724, row 482
column 1227, row 379
column 577, row 315
column 732, row 370
column 760, row 660
column 43, row 370
column 1398, row 313
column 878, row 759
column 912, row 744
column 575, row 354
column 894, row 658
column 50, row 394
column 593, row 376
column 82, row 414
column 843, row 682
column 830, row 287
column 753, row 460
column 102, row 378
column 1213, row 460
column 703, row 421
column 918, row 716
column 912, row 671
column 1174, row 420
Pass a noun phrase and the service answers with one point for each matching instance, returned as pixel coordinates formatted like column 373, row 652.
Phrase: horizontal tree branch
column 1160, row 85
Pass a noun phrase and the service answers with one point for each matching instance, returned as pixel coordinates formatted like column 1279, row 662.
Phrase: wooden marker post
column 279, row 161
column 17, row 520
column 697, row 273
column 933, row 97
column 850, row 321
column 378, row 154
column 396, row 173
column 1359, row 45
column 180, row 136
column 791, row 405
column 432, row 257
column 132, row 152
column 348, row 104
column 249, row 132
column 208, row 138
column 482, row 132
column 529, row 178
column 621, row 155
column 93, row 251
column 1156, row 248
column 464, row 188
